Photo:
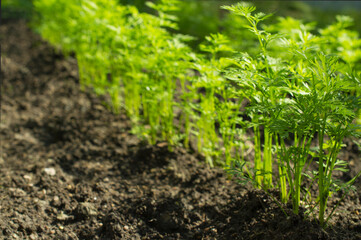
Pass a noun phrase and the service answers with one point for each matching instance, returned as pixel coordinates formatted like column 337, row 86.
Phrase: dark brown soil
column 70, row 169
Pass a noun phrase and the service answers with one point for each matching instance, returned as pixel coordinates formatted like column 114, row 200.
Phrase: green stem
column 257, row 157
column 282, row 172
column 323, row 193
column 267, row 159
column 297, row 177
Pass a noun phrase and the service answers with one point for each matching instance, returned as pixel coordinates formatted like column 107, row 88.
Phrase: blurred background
column 199, row 18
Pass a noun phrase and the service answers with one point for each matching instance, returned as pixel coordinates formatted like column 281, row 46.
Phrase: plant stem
column 282, row 172
column 267, row 159
column 257, row 155
column 323, row 193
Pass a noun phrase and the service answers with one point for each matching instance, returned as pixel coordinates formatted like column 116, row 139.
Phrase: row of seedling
column 295, row 96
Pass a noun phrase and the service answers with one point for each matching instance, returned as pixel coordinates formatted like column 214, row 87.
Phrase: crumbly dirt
column 70, row 169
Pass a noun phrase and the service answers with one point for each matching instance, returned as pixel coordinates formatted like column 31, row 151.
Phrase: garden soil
column 70, row 169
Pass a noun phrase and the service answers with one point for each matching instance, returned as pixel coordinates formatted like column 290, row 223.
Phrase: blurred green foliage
column 201, row 18
column 16, row 9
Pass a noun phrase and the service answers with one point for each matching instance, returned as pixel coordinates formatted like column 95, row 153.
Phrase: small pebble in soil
column 33, row 236
column 27, row 177
column 50, row 171
column 86, row 210
column 62, row 217
column 56, row 201
column 17, row 192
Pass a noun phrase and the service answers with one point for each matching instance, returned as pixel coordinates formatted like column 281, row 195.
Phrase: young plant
column 297, row 100
column 263, row 92
column 216, row 106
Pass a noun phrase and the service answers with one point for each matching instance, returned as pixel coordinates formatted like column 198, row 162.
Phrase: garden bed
column 70, row 169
